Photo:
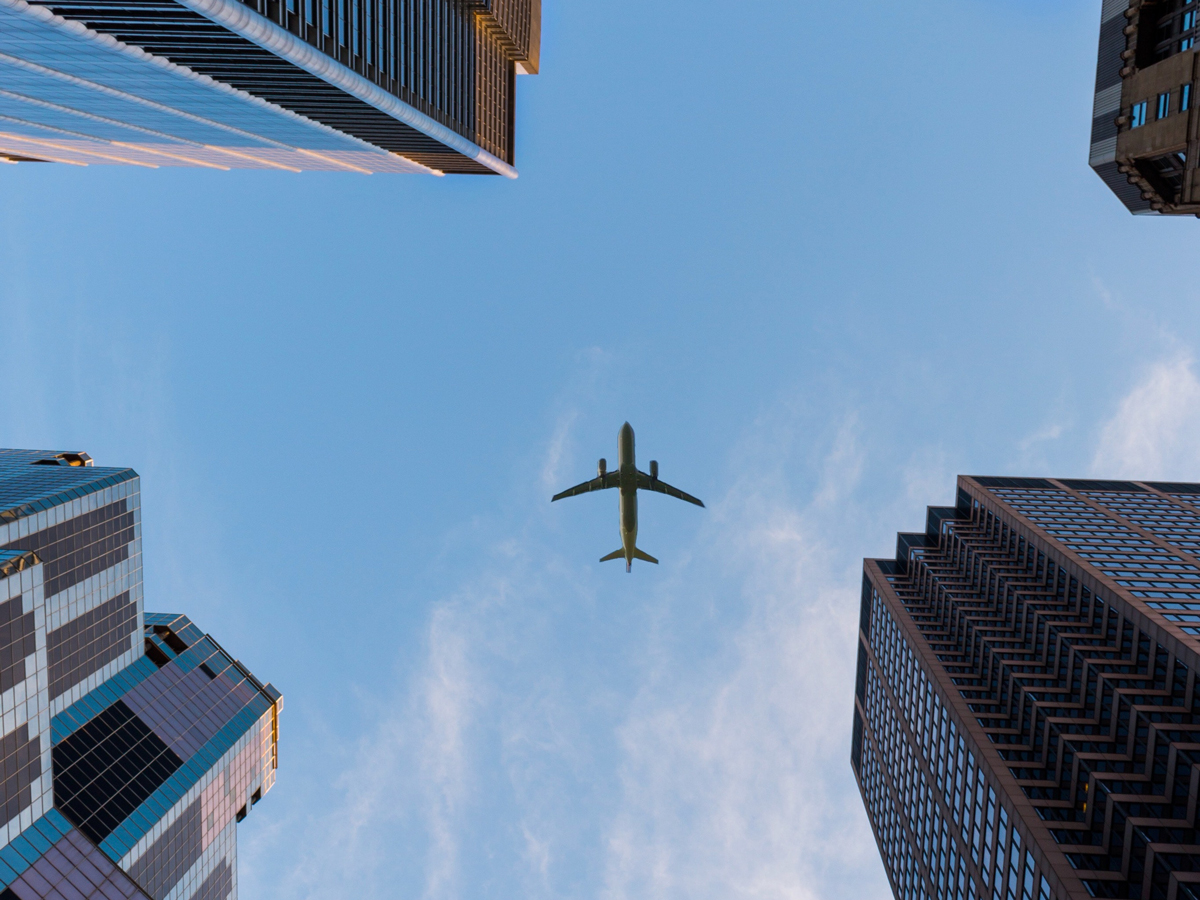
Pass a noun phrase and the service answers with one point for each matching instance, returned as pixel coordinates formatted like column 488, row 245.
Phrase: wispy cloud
column 446, row 696
column 404, row 791
column 736, row 782
column 1051, row 432
column 557, row 451
column 413, row 793
column 1155, row 431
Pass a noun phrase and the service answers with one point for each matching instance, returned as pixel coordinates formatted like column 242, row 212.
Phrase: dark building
column 131, row 743
column 1145, row 133
column 1026, row 715
column 350, row 85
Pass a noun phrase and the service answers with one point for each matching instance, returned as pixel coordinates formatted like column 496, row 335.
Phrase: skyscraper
column 1145, row 134
column 1026, row 707
column 131, row 743
column 344, row 85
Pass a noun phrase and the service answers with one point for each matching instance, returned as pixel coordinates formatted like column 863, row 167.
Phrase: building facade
column 1026, row 715
column 131, row 743
column 1145, row 131
column 343, row 85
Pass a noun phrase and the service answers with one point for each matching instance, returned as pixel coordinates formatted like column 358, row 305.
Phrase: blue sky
column 823, row 263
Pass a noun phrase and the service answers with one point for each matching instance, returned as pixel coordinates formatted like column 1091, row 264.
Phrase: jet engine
column 654, row 469
column 602, row 466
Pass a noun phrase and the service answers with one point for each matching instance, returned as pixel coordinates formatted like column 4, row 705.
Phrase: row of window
column 1080, row 527
column 944, row 875
column 1146, row 569
column 1176, row 523
column 920, row 851
column 433, row 53
column 1163, row 107
column 962, row 794
column 1176, row 27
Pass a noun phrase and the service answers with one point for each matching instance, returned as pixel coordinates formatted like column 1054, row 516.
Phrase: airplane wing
column 608, row 480
column 646, row 483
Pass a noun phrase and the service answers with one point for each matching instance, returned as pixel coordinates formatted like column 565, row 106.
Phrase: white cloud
column 1050, row 432
column 1155, row 432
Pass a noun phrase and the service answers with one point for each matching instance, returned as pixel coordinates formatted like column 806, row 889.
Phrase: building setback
column 1026, row 715
column 131, row 743
column 341, row 85
column 1145, row 131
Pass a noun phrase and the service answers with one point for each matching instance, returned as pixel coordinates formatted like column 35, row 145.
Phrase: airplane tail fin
column 637, row 554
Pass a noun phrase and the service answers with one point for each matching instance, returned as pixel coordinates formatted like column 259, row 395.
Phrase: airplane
column 627, row 477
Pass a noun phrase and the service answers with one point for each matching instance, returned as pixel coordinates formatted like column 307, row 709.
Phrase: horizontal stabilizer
column 638, row 554
column 616, row 554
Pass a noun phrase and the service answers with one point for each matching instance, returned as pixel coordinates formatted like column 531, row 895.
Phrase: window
column 1137, row 116
column 1189, row 20
column 369, row 37
column 1185, row 97
column 1186, row 44
column 1164, row 105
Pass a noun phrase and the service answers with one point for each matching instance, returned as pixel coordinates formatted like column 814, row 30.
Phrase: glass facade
column 347, row 85
column 132, row 743
column 1023, row 722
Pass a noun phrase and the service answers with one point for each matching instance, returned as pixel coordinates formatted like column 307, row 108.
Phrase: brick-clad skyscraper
column 1026, row 719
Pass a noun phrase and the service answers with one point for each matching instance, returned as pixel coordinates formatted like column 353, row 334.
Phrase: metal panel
column 1108, row 58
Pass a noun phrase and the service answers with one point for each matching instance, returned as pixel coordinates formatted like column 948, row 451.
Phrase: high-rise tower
column 131, row 743
column 343, row 85
column 1026, row 715
column 1145, row 130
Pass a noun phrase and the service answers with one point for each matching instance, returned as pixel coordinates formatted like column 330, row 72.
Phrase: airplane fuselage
column 627, row 467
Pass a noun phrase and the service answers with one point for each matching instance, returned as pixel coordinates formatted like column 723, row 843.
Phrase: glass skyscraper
column 1026, row 714
column 131, row 743
column 344, row 85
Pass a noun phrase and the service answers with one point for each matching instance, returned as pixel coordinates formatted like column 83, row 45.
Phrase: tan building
column 1145, row 134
